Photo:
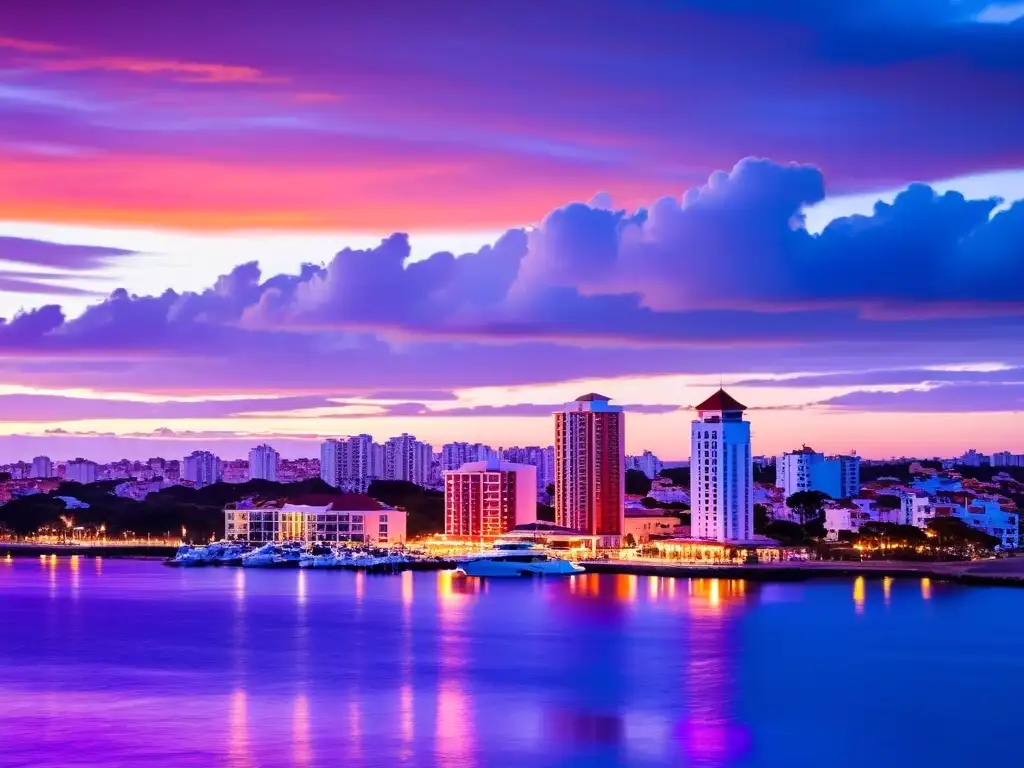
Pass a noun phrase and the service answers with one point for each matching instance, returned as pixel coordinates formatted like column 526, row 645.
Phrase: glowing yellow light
column 406, row 587
column 858, row 594
column 887, row 588
column 652, row 587
column 926, row 588
column 714, row 594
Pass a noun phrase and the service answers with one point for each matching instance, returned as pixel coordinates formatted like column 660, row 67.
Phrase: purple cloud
column 950, row 398
column 41, row 253
column 44, row 408
column 721, row 281
column 889, row 377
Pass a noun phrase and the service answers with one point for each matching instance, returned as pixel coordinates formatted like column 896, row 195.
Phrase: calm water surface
column 122, row 663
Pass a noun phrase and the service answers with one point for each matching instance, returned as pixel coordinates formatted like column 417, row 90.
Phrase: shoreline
column 1008, row 572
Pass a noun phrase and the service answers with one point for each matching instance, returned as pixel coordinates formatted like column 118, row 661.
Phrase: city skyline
column 212, row 245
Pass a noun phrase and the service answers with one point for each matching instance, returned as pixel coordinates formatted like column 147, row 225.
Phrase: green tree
column 809, row 506
column 678, row 475
column 628, row 540
column 786, row 532
column 888, row 501
column 953, row 536
column 760, row 518
column 637, row 483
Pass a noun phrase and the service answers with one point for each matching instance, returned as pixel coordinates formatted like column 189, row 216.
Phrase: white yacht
column 189, row 555
column 261, row 557
column 517, row 558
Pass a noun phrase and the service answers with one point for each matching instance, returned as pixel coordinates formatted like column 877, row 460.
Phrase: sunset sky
column 223, row 223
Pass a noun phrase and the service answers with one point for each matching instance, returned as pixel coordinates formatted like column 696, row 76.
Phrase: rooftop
column 721, row 401
column 591, row 397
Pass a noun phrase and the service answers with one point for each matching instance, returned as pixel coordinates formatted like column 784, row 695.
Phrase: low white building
column 845, row 518
column 349, row 518
column 665, row 492
column 986, row 515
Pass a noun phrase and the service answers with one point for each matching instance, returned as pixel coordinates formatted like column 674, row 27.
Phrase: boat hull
column 496, row 568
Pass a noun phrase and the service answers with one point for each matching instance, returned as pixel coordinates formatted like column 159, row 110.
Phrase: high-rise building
column 489, row 498
column 973, row 458
column 542, row 458
column 80, row 471
column 807, row 470
column 721, row 471
column 1007, row 459
column 42, row 467
column 406, row 458
column 454, row 455
column 351, row 463
column 201, row 468
column 590, row 468
column 263, row 461
column 646, row 462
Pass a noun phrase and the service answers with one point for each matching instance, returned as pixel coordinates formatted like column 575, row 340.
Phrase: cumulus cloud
column 728, row 269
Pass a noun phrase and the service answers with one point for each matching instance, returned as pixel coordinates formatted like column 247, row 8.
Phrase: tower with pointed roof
column 721, row 471
column 590, row 468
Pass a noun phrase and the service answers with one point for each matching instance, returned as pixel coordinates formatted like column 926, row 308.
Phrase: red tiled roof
column 721, row 401
column 591, row 397
column 345, row 502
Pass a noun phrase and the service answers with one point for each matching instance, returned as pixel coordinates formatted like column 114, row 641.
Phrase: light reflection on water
column 142, row 665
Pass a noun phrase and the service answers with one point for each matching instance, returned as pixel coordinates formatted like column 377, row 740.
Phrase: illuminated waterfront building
column 330, row 519
column 590, row 468
column 489, row 498
column 721, row 472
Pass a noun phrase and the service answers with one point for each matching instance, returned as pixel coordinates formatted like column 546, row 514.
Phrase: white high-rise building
column 646, row 462
column 263, row 462
column 351, row 463
column 80, row 471
column 806, row 470
column 454, row 455
column 42, row 467
column 201, row 468
column 721, row 471
column 406, row 458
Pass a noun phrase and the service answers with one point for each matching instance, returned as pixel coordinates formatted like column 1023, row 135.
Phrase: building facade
column 263, row 462
column 81, row 471
column 590, row 467
column 489, row 498
column 646, row 462
column 455, row 455
column 351, row 463
column 201, row 468
column 406, row 458
column 541, row 458
column 1007, row 459
column 366, row 522
column 42, row 467
column 721, row 471
column 807, row 470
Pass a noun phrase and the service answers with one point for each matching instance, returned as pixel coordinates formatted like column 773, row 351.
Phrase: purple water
column 125, row 663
